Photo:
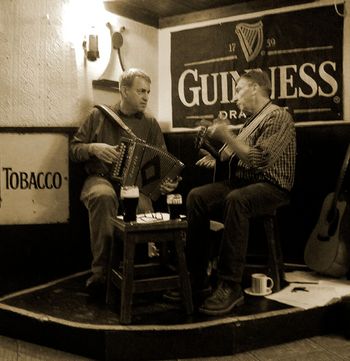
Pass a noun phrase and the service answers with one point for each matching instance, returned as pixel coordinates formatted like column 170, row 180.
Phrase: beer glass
column 129, row 196
column 174, row 202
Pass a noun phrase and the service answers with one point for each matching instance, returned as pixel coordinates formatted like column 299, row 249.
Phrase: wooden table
column 131, row 278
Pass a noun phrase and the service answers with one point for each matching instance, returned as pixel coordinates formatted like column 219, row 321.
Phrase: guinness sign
column 251, row 38
column 306, row 71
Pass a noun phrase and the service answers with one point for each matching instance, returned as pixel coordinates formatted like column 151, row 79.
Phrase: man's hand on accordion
column 169, row 185
column 105, row 152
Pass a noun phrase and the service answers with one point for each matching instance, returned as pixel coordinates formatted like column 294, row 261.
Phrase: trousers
column 234, row 206
column 101, row 198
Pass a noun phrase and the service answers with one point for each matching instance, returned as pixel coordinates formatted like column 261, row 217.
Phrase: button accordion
column 144, row 165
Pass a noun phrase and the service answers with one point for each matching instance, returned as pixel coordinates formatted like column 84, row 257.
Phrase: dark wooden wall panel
column 32, row 254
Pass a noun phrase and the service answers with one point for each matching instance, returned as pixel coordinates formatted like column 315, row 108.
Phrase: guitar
column 204, row 141
column 328, row 248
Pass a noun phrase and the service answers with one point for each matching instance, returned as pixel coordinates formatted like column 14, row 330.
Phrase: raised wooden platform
column 61, row 315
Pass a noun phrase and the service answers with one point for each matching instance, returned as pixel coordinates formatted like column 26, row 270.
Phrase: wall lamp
column 109, row 80
column 90, row 46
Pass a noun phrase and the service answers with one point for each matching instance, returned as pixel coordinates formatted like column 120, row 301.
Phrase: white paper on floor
column 308, row 289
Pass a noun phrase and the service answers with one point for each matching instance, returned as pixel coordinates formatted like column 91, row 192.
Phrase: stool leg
column 279, row 254
column 182, row 269
column 127, row 282
column 275, row 261
column 111, row 262
column 279, row 250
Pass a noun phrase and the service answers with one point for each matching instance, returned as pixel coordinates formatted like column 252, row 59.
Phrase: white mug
column 261, row 284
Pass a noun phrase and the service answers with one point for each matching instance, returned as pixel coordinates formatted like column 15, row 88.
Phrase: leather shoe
column 223, row 300
column 172, row 295
column 176, row 296
column 96, row 289
column 200, row 290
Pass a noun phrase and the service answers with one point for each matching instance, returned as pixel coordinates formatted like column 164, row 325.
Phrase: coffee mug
column 261, row 284
column 129, row 196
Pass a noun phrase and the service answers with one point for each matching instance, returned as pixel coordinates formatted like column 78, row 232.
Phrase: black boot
column 200, row 290
column 223, row 300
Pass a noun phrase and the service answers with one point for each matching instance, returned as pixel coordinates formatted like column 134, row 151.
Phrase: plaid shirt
column 272, row 151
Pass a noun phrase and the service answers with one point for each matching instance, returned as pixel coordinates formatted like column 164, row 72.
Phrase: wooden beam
column 130, row 11
column 226, row 11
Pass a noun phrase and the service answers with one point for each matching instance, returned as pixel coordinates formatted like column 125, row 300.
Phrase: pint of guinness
column 129, row 196
column 174, row 202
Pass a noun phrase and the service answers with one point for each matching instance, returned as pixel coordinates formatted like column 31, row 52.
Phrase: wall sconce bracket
column 109, row 80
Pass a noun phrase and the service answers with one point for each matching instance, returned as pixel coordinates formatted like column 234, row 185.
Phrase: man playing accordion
column 95, row 144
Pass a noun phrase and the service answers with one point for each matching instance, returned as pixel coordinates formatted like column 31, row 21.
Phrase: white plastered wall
column 45, row 80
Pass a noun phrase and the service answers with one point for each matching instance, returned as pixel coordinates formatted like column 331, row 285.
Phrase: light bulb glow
column 80, row 18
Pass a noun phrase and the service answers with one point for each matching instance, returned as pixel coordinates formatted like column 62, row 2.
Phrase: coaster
column 251, row 293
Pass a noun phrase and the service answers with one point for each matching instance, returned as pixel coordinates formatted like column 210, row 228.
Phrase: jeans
column 234, row 206
column 100, row 198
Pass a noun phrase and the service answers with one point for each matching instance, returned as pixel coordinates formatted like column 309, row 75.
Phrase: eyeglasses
column 151, row 217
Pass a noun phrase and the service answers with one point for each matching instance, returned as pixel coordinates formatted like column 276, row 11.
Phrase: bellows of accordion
column 144, row 165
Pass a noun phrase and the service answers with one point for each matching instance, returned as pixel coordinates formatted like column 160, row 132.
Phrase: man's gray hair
column 259, row 77
column 128, row 76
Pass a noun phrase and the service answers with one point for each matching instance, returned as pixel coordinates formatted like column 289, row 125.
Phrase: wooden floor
column 318, row 348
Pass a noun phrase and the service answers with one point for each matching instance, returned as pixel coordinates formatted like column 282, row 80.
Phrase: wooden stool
column 275, row 259
column 132, row 278
column 274, row 250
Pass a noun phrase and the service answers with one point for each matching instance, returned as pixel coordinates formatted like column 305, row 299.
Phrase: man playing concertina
column 96, row 144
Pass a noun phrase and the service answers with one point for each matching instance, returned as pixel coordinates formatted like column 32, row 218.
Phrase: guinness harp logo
column 251, row 39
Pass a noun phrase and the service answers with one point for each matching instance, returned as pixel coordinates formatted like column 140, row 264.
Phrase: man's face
column 245, row 94
column 137, row 95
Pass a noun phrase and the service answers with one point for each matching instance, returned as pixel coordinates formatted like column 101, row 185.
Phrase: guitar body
column 221, row 170
column 327, row 250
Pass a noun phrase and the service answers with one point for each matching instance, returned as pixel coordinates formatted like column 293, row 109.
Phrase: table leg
column 182, row 267
column 127, row 282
